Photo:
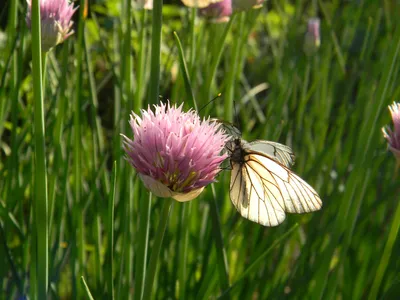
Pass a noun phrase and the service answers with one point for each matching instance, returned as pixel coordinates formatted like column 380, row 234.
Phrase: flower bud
column 55, row 21
column 312, row 39
column 393, row 137
column 218, row 12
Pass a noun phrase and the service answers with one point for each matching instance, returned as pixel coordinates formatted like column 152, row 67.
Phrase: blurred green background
column 329, row 107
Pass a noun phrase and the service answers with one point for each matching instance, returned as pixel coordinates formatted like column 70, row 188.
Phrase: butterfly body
column 262, row 187
column 238, row 152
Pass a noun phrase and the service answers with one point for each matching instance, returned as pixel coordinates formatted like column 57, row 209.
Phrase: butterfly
column 199, row 3
column 262, row 186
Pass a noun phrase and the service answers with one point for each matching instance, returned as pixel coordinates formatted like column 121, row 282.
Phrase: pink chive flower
column 393, row 137
column 312, row 39
column 55, row 17
column 218, row 12
column 175, row 153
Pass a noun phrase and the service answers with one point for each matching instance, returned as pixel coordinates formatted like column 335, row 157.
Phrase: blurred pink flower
column 218, row 12
column 175, row 153
column 221, row 11
column 199, row 3
column 393, row 137
column 312, row 39
column 56, row 21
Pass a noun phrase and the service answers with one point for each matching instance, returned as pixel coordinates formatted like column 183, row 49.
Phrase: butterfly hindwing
column 262, row 186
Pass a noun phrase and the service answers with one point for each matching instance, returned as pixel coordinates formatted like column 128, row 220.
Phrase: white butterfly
column 199, row 3
column 263, row 188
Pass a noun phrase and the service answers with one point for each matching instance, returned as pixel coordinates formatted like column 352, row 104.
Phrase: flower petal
column 162, row 191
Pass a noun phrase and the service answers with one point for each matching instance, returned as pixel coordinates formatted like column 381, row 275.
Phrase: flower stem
column 78, row 249
column 223, row 267
column 151, row 271
column 40, row 190
column 143, row 242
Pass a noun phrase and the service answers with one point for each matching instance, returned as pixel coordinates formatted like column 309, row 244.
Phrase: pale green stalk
column 88, row 294
column 78, row 252
column 40, row 190
column 145, row 204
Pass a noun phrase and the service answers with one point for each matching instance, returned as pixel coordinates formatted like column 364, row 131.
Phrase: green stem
column 143, row 243
column 230, row 93
column 140, row 62
column 394, row 229
column 77, row 269
column 111, row 201
column 145, row 204
column 223, row 268
column 151, row 271
column 193, row 15
column 185, row 73
column 97, row 139
column 40, row 190
column 15, row 84
column 128, row 55
column 183, row 249
column 155, row 52
column 44, row 63
column 216, row 58
column 85, row 286
column 33, row 251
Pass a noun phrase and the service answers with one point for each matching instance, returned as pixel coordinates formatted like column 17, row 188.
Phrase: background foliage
column 329, row 108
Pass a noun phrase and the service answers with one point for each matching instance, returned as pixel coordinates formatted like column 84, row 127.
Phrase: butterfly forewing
column 276, row 151
column 231, row 130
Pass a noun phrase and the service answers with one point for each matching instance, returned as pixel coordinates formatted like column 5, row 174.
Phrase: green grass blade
column 185, row 72
column 151, row 270
column 387, row 252
column 41, row 204
column 87, row 290
column 154, row 89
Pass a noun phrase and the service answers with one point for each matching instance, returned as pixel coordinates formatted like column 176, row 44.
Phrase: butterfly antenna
column 205, row 105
